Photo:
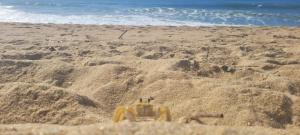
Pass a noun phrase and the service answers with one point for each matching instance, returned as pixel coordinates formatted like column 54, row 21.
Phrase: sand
column 68, row 79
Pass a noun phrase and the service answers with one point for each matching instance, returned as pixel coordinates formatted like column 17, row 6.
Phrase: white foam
column 9, row 14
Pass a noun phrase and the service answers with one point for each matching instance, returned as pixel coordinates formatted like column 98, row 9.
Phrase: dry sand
column 69, row 78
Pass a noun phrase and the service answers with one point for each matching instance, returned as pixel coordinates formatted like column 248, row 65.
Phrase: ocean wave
column 153, row 16
column 9, row 14
column 219, row 16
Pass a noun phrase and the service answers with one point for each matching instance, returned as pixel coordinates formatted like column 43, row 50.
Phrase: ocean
column 154, row 12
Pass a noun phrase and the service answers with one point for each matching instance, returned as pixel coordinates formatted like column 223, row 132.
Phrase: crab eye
column 148, row 100
column 141, row 100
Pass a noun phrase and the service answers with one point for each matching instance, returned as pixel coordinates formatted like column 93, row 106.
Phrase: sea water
column 154, row 12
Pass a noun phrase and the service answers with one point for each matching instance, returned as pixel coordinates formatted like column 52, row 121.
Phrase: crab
column 142, row 110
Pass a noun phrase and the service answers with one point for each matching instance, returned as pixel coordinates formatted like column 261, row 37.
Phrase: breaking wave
column 152, row 16
column 9, row 14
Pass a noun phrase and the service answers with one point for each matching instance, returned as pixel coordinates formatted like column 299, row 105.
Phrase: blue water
column 153, row 12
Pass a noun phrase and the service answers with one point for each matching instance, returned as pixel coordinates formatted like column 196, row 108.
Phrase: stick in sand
column 121, row 36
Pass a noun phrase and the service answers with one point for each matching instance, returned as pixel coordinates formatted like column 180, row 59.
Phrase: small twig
column 197, row 120
column 121, row 36
column 217, row 115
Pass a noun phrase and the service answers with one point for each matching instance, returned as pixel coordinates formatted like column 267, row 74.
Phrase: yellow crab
column 143, row 110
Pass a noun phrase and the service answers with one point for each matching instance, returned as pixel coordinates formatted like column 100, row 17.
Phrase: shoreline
column 200, row 26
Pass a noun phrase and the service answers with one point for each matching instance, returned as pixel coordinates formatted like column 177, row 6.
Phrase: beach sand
column 68, row 79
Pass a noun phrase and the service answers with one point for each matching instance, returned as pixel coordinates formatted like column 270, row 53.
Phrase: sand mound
column 242, row 107
column 108, row 84
column 14, row 70
column 25, row 103
column 56, row 73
